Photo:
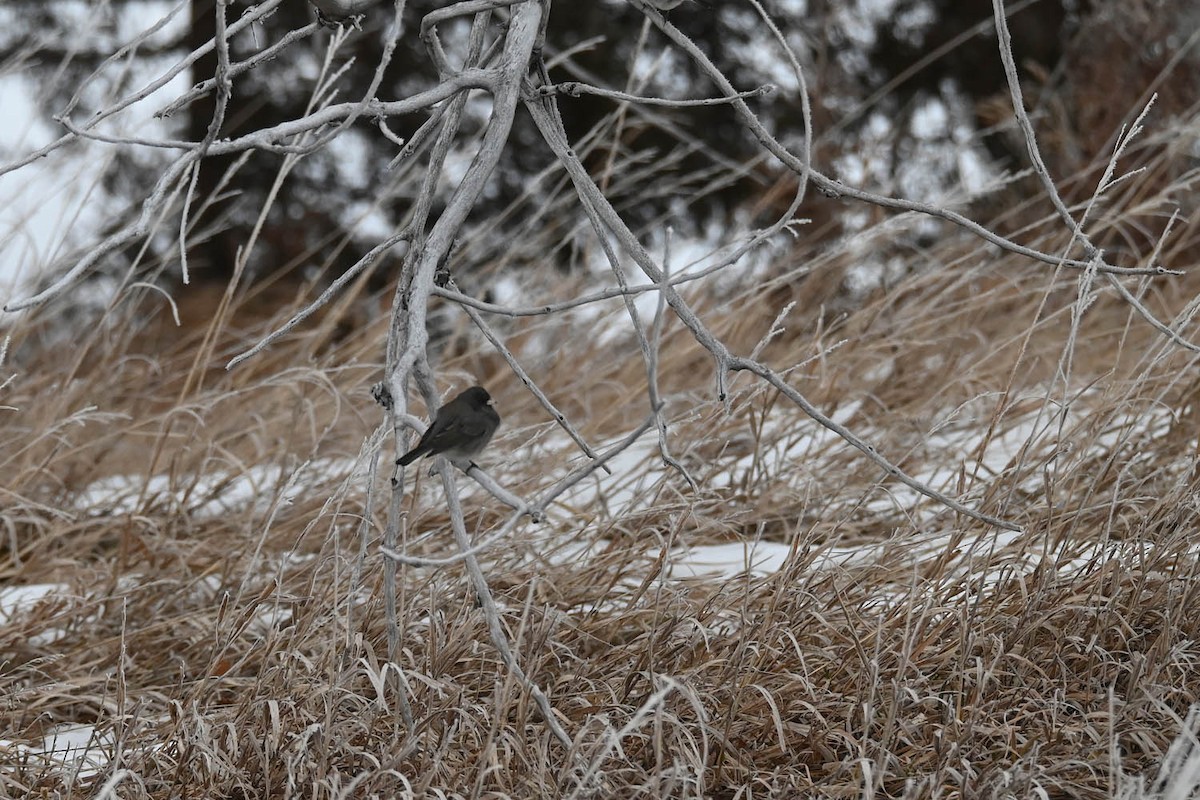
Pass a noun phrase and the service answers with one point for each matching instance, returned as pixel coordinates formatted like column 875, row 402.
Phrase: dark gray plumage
column 331, row 12
column 460, row 429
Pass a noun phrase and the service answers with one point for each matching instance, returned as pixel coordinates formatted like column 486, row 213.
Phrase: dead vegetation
column 214, row 613
column 219, row 620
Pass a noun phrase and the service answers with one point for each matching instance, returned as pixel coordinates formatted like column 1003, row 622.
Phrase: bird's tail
column 410, row 456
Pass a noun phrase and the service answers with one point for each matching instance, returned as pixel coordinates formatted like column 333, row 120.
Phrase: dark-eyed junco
column 666, row 5
column 460, row 429
column 332, row 12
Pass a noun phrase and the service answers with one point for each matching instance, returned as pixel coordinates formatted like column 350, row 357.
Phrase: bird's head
column 478, row 397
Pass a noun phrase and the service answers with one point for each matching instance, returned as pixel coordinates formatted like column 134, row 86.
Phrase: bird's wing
column 431, row 433
column 453, row 433
column 474, row 427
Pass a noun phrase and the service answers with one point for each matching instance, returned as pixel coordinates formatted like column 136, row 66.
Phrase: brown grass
column 238, row 649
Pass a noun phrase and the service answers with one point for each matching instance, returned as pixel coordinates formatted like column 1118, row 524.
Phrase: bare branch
column 488, row 605
column 578, row 89
column 332, row 291
column 597, row 205
column 835, row 188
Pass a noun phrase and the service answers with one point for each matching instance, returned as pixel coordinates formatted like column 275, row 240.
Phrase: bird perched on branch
column 667, row 5
column 331, row 12
column 460, row 429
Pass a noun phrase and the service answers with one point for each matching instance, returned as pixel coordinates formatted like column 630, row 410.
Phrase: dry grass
column 226, row 647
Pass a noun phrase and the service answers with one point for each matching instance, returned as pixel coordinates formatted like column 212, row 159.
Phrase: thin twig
column 578, row 89
column 513, row 364
column 368, row 259
column 487, row 605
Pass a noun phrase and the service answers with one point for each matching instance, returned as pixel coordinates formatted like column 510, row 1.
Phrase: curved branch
column 549, row 124
column 834, row 188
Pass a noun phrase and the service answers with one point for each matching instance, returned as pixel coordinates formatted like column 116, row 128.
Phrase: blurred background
column 909, row 99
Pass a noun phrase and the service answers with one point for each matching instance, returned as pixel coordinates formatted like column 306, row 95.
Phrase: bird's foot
column 382, row 396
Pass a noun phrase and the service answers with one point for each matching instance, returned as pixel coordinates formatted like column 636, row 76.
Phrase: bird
column 331, row 12
column 666, row 5
column 460, row 429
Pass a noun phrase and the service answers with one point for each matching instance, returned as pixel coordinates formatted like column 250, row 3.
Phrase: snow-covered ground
column 956, row 445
